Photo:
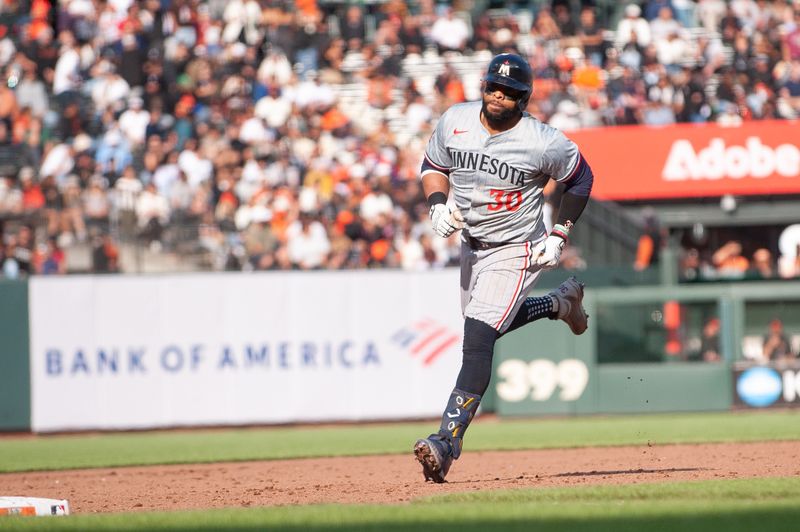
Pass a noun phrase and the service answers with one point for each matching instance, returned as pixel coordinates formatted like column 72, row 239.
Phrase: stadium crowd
column 216, row 126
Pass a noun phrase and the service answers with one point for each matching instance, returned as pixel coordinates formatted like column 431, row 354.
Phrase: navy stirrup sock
column 457, row 416
column 534, row 308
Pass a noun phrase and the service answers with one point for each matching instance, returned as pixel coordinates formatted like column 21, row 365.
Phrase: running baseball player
column 496, row 159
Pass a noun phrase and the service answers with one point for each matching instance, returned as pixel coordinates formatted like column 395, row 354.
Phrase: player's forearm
column 576, row 195
column 570, row 209
column 436, row 187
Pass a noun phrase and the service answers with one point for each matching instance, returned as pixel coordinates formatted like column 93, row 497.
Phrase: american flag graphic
column 425, row 340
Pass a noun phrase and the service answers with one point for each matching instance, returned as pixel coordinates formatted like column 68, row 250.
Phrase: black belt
column 476, row 244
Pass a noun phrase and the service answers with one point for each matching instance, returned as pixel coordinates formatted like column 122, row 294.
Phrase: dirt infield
column 393, row 478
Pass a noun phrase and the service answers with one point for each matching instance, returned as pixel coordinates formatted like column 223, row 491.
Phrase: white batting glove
column 445, row 221
column 548, row 252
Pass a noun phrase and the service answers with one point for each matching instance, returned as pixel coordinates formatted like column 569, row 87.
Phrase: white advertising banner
column 224, row 349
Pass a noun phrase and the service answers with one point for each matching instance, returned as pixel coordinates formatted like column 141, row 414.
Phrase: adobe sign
column 688, row 160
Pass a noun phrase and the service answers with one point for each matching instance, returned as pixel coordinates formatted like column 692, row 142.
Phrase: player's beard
column 498, row 120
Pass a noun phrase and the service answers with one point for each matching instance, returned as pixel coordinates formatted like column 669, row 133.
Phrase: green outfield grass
column 729, row 506
column 147, row 448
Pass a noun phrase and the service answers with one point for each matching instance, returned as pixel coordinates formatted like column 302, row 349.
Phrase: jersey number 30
column 509, row 200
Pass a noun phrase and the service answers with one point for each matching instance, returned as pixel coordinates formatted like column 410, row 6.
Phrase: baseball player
column 495, row 159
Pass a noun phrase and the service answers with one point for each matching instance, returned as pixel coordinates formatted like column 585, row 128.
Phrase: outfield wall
column 217, row 349
column 130, row 352
column 630, row 359
column 15, row 405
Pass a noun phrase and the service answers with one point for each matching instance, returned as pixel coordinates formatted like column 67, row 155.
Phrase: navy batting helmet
column 512, row 71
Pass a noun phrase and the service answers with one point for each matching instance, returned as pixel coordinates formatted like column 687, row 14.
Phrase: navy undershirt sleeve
column 581, row 182
column 427, row 165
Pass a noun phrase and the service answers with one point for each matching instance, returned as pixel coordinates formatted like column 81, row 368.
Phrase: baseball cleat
column 434, row 455
column 570, row 305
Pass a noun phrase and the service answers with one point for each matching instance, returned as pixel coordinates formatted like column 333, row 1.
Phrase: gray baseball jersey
column 497, row 180
column 497, row 183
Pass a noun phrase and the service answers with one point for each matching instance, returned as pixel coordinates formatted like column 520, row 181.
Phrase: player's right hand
column 445, row 221
column 548, row 252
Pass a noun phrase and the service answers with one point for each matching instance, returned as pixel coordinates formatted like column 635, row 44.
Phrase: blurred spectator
column 10, row 198
column 308, row 243
column 410, row 249
column 260, row 241
column 152, row 215
column 241, row 21
column 563, row 17
column 97, row 204
column 227, row 106
column 709, row 342
column 591, row 36
column 274, row 108
column 648, row 250
column 566, row 116
column 8, row 260
column 352, row 29
column 126, row 193
column 776, row 345
column 71, row 220
column 654, row 9
column 50, row 259
column 632, row 28
column 450, row 32
column 275, row 69
column 762, row 264
column 12, row 154
column 108, row 89
column 587, row 77
column 58, row 162
column 379, row 90
column 729, row 261
column 664, row 25
column 66, row 76
column 21, row 251
column 710, row 13
column 418, row 113
column 545, row 27
column 791, row 41
column 411, row 36
column 105, row 255
column 133, row 122
column 690, row 268
column 31, row 93
column 685, row 12
column 449, row 88
column 430, row 258
column 33, row 198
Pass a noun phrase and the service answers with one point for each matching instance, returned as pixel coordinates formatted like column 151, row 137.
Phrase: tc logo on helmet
column 505, row 69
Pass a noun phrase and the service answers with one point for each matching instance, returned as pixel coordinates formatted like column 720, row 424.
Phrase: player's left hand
column 548, row 252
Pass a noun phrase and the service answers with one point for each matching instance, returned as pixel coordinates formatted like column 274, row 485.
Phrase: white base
column 33, row 506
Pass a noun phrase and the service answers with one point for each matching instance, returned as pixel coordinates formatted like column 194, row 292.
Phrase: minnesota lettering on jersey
column 486, row 163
